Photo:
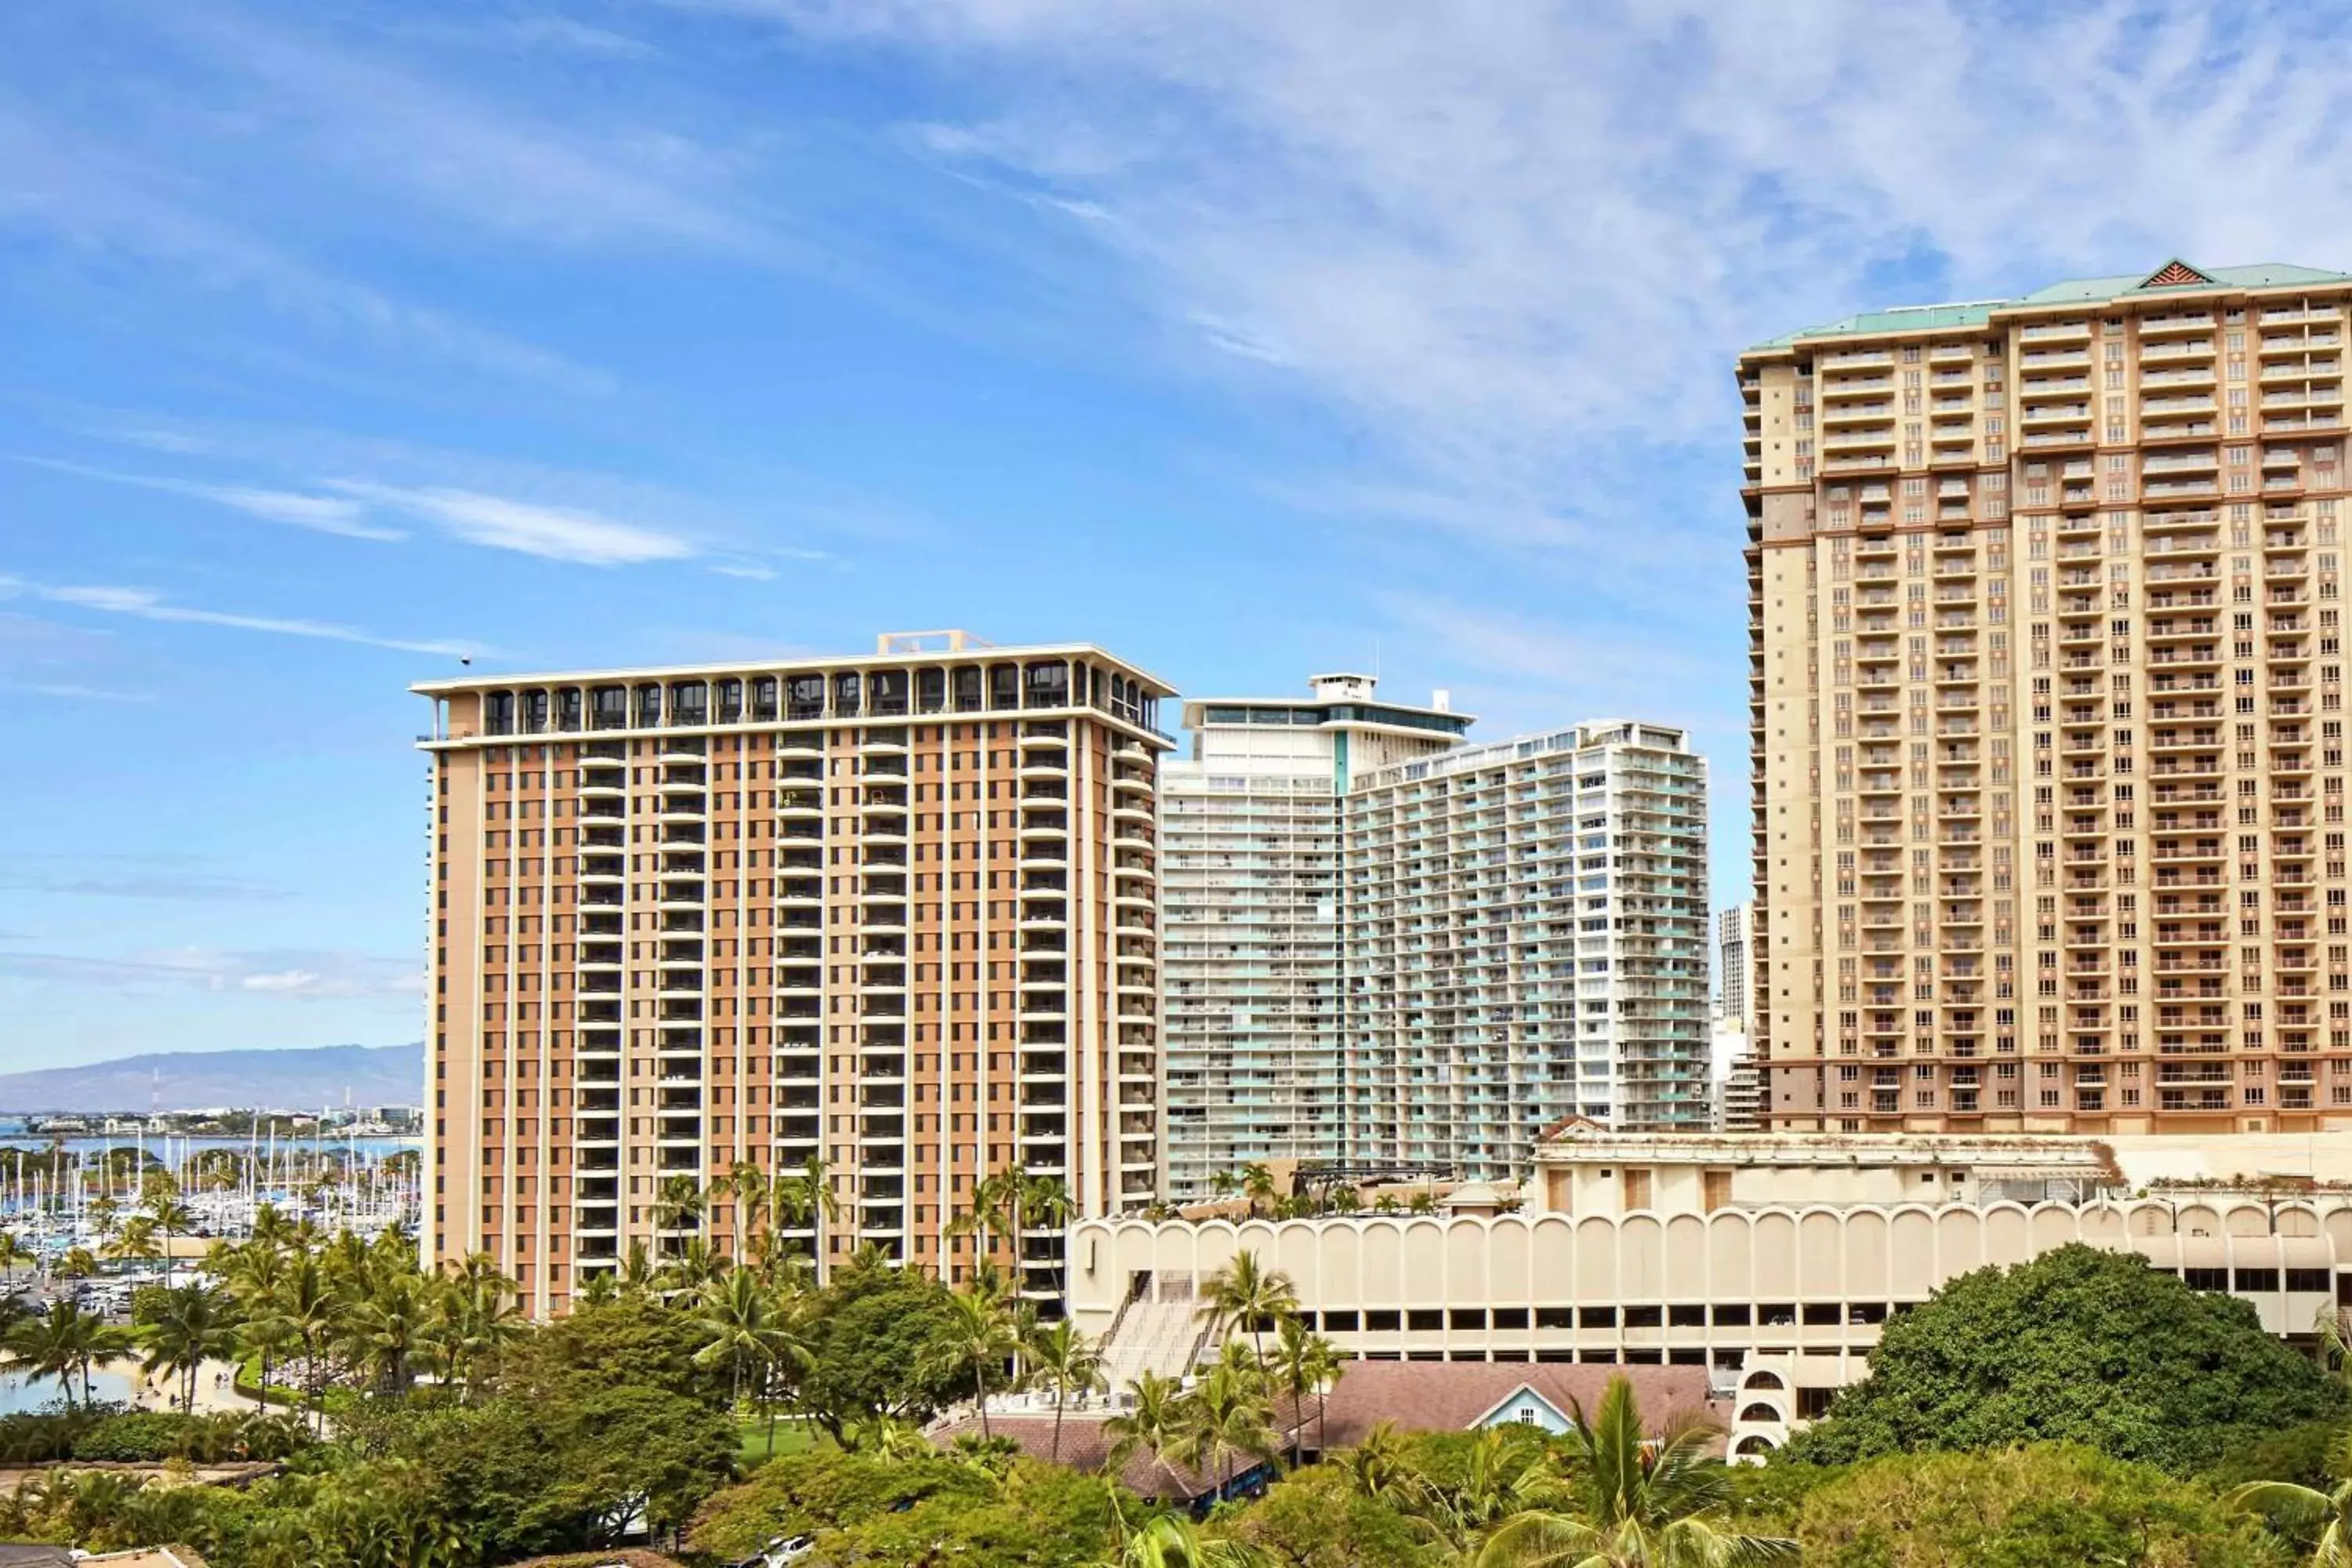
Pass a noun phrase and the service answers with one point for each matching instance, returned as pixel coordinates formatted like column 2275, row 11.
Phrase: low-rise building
column 1772, row 1261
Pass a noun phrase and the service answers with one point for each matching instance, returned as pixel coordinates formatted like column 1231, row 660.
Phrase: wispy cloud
column 111, row 204
column 322, row 514
column 66, row 691
column 174, row 878
column 146, row 605
column 501, row 523
column 297, row 974
column 1508, row 239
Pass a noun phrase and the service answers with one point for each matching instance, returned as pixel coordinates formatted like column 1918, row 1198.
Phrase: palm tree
column 171, row 1216
column 1258, row 1186
column 1304, row 1362
column 193, row 1324
column 1227, row 1416
column 477, row 1319
column 745, row 1325
column 135, row 1242
column 1379, row 1468
column 678, row 1204
column 271, row 1229
column 1037, row 1201
column 310, row 1307
column 1244, row 1295
column 384, row 1330
column 14, row 1252
column 1224, row 1183
column 744, row 1187
column 79, row 1263
column 2324, row 1517
column 1067, row 1363
column 1632, row 1502
column 805, row 1196
column 637, row 1273
column 979, row 1336
column 64, row 1343
column 992, row 1213
column 1172, row 1541
column 1153, row 1419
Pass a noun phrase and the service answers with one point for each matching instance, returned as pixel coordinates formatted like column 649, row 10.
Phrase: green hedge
column 116, row 1435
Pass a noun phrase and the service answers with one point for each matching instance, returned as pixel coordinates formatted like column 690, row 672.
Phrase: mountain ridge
column 292, row 1079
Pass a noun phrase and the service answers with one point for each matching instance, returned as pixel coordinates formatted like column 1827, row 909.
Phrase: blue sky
column 1247, row 340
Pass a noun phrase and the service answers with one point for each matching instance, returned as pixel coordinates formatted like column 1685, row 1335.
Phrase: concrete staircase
column 1157, row 1332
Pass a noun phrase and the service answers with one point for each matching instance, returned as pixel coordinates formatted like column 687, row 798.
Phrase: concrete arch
column 1686, row 1258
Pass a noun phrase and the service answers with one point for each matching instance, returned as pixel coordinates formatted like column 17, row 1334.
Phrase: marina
column 60, row 1194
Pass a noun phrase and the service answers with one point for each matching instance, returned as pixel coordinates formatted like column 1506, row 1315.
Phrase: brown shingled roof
column 1416, row 1396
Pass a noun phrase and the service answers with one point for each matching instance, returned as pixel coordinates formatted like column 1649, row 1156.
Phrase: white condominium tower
column 1251, row 888
column 1527, row 935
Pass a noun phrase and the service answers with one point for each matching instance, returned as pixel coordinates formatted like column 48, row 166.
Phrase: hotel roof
column 2175, row 278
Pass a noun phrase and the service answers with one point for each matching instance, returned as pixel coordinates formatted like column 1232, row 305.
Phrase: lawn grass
column 791, row 1438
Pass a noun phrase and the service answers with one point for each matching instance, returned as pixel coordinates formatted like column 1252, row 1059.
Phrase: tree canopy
column 2080, row 1345
column 2052, row 1506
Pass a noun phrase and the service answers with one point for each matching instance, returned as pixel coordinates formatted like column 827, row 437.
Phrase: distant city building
column 1738, row 1082
column 1735, row 1000
column 895, row 912
column 1251, row 888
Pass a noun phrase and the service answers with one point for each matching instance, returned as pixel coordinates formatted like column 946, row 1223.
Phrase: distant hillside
column 196, row 1080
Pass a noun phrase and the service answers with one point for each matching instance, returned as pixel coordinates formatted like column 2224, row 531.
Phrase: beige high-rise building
column 896, row 912
column 2046, row 690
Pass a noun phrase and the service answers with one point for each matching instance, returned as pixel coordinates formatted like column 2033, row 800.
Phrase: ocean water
column 20, row 1392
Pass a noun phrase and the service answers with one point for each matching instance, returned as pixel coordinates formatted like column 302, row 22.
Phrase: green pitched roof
column 2076, row 291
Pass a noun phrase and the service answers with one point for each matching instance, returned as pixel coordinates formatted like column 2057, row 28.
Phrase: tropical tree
column 136, row 1242
column 1153, row 1419
column 312, row 1309
column 1379, row 1468
column 1067, row 1362
column 2322, row 1518
column 744, row 1188
column 1243, row 1295
column 2080, row 1345
column 64, row 1343
column 1304, row 1362
column 384, row 1332
column 745, row 1328
column 191, row 1325
column 1227, row 1418
column 161, row 1194
column 1631, row 1501
column 678, row 1203
column 1257, row 1186
column 804, row 1196
column 1172, row 1541
column 979, row 1337
column 15, row 1254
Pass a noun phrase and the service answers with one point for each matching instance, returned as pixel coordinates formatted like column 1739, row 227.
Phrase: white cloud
column 1511, row 236
column 501, row 523
column 146, row 605
column 322, row 514
column 297, row 975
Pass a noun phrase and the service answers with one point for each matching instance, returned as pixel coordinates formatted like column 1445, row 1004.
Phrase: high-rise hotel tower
column 1390, row 950
column 2046, row 689
column 1256, row 888
column 896, row 913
